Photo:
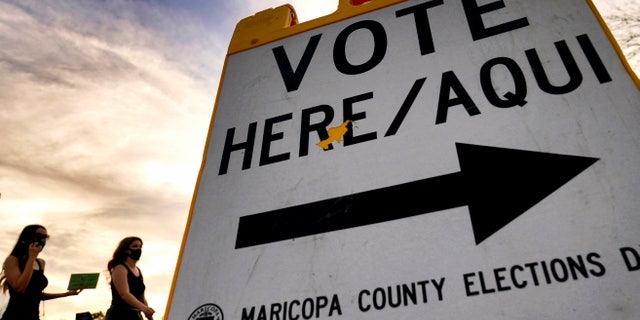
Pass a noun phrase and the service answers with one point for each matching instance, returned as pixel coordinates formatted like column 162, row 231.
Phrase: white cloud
column 623, row 19
column 103, row 127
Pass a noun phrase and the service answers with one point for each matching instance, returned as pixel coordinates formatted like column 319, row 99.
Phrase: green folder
column 83, row 281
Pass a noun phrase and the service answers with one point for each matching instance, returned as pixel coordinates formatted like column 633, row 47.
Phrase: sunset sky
column 104, row 113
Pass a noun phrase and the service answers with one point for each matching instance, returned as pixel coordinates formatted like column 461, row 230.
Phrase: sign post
column 409, row 159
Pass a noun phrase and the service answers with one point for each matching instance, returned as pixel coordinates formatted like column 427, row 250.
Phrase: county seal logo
column 207, row 311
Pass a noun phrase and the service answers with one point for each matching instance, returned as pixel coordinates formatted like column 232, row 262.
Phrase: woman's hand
column 148, row 312
column 73, row 292
column 34, row 250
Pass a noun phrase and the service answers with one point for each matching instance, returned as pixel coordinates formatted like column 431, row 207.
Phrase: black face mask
column 40, row 240
column 135, row 254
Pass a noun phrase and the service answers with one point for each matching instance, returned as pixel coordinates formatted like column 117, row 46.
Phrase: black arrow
column 497, row 184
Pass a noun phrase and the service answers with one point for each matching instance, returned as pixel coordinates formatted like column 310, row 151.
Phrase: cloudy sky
column 104, row 112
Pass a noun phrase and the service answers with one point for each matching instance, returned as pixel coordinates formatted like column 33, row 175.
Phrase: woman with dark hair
column 127, row 285
column 23, row 276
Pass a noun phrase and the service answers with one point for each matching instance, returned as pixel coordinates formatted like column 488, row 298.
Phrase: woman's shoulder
column 10, row 260
column 118, row 272
column 119, row 267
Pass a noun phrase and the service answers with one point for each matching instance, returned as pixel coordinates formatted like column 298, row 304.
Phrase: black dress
column 120, row 310
column 26, row 306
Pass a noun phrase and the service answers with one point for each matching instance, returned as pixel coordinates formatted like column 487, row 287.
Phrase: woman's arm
column 148, row 313
column 119, row 279
column 19, row 281
column 49, row 296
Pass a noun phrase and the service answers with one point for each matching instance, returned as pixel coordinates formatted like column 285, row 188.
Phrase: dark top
column 136, row 287
column 26, row 306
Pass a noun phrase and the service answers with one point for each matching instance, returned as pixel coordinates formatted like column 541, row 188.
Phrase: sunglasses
column 42, row 236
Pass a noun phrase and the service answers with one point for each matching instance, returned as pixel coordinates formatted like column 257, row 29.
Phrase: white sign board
column 428, row 159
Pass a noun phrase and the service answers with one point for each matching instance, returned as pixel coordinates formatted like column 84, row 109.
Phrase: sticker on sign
column 456, row 159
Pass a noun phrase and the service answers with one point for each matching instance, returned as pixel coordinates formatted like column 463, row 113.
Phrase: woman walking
column 127, row 284
column 23, row 276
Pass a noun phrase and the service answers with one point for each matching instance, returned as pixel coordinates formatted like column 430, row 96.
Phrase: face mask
column 41, row 240
column 135, row 254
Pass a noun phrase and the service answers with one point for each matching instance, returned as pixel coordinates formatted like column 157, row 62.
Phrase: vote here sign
column 459, row 159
